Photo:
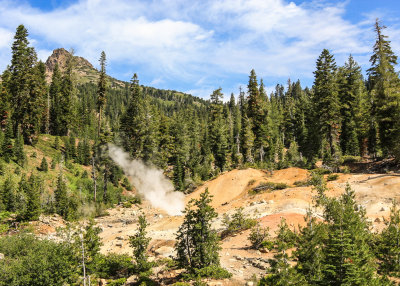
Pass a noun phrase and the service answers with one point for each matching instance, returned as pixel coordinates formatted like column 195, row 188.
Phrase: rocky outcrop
column 60, row 57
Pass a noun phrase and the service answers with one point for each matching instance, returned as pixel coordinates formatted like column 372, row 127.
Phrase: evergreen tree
column 19, row 154
column 44, row 167
column 389, row 244
column 57, row 122
column 309, row 252
column 26, row 86
column 7, row 146
column 384, row 85
column 5, row 101
column 247, row 138
column 348, row 258
column 133, row 121
column 101, row 91
column 327, row 105
column 256, row 112
column 92, row 244
column 217, row 132
column 8, row 195
column 351, row 87
column 281, row 272
column 61, row 197
column 139, row 242
column 197, row 243
column 33, row 190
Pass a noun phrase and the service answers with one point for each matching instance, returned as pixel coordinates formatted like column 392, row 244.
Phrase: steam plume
column 150, row 182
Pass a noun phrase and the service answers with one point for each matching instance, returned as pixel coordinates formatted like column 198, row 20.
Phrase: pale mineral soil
column 374, row 192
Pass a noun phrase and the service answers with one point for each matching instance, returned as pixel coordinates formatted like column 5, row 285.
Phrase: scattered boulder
column 165, row 251
column 1, row 256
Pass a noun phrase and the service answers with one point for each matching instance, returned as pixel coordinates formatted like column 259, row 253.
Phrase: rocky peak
column 60, row 57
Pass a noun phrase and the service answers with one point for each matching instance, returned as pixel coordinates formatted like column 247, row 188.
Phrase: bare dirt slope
column 230, row 191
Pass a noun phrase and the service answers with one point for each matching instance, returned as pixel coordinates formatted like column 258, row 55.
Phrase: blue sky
column 199, row 45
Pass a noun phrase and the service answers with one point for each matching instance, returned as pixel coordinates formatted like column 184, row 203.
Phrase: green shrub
column 181, row 284
column 251, row 182
column 350, row 159
column 236, row 223
column 118, row 282
column 332, row 177
column 115, row 266
column 212, row 271
column 126, row 184
column 304, row 183
column 44, row 167
column 267, row 186
column 258, row 236
column 17, row 171
column 34, row 155
column 32, row 261
column 321, row 171
column 345, row 170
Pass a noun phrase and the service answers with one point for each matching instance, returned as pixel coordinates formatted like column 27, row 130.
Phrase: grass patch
column 267, row 186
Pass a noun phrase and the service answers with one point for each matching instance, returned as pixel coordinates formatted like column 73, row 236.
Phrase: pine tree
column 217, row 132
column 139, row 242
column 32, row 191
column 309, row 253
column 133, row 121
column 19, row 154
column 44, row 167
column 348, row 258
column 281, row 272
column 197, row 243
column 384, row 85
column 27, row 87
column 247, row 138
column 327, row 105
column 92, row 244
column 7, row 146
column 5, row 100
column 61, row 197
column 389, row 244
column 8, row 195
column 101, row 89
column 352, row 91
column 56, row 109
column 256, row 111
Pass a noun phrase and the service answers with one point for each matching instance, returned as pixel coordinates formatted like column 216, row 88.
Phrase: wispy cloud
column 196, row 46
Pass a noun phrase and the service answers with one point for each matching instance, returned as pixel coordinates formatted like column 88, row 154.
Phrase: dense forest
column 342, row 117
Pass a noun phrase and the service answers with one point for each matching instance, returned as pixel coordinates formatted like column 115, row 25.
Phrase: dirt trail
column 230, row 191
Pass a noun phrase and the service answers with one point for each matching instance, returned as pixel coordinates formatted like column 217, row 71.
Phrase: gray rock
column 1, row 256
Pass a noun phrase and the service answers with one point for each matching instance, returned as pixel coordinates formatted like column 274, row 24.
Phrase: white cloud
column 196, row 44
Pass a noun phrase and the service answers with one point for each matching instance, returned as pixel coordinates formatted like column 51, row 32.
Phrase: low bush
column 118, row 282
column 321, row 171
column 303, row 183
column 115, row 266
column 236, row 223
column 350, row 159
column 332, row 177
column 267, row 186
column 259, row 237
column 212, row 271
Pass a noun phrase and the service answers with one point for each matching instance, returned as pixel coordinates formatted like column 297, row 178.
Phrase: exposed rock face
column 83, row 70
column 60, row 57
